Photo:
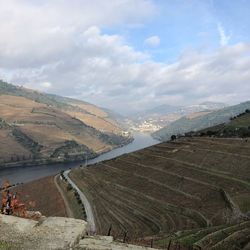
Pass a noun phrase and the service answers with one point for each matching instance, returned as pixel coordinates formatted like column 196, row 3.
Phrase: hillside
column 154, row 119
column 41, row 195
column 238, row 126
column 190, row 193
column 40, row 127
column 187, row 123
column 191, row 183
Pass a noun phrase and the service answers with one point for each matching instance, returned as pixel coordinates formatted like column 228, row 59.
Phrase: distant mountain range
column 166, row 109
column 39, row 126
column 195, row 123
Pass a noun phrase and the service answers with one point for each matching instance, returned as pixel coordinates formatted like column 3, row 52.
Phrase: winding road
column 88, row 208
column 66, row 203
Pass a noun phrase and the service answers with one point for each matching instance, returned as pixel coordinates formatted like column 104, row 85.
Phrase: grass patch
column 75, row 207
column 187, row 237
column 5, row 245
column 190, row 239
column 243, row 202
column 242, row 121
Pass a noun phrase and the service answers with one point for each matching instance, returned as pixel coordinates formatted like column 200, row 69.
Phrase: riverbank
column 23, row 174
column 39, row 162
column 50, row 161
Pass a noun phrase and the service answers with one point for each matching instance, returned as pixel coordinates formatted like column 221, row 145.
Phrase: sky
column 128, row 55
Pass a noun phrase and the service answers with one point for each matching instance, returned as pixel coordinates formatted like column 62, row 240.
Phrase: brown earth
column 169, row 187
column 42, row 195
column 197, row 114
column 8, row 142
column 51, row 128
column 95, row 117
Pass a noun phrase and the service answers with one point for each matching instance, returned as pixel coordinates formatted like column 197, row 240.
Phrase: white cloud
column 152, row 41
column 224, row 39
column 67, row 53
column 34, row 33
column 46, row 85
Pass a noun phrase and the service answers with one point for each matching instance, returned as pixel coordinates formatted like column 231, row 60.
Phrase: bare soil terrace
column 42, row 195
column 187, row 184
column 32, row 130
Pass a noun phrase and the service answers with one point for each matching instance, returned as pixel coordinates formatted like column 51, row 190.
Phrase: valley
column 41, row 128
column 26, row 174
column 191, row 192
column 124, row 125
column 152, row 120
column 177, row 193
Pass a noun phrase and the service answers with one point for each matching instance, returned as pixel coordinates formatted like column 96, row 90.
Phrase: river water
column 26, row 174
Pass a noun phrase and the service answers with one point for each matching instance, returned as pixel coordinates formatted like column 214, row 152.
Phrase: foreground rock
column 105, row 243
column 49, row 233
column 53, row 233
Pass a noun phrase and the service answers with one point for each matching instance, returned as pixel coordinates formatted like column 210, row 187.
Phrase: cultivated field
column 97, row 122
column 43, row 131
column 187, row 184
column 17, row 150
column 42, row 121
column 42, row 195
column 95, row 117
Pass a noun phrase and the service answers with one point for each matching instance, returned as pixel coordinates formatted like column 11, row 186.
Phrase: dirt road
column 88, row 209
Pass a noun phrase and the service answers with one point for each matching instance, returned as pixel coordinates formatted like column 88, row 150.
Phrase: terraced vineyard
column 191, row 183
column 223, row 237
column 38, row 128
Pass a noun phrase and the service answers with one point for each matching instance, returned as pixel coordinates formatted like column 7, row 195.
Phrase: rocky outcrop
column 48, row 233
column 105, row 243
column 53, row 233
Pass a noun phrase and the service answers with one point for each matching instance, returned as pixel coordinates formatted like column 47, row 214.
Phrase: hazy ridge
column 186, row 124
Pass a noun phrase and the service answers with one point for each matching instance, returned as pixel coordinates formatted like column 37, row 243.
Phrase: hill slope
column 171, row 186
column 38, row 126
column 192, row 193
column 186, row 124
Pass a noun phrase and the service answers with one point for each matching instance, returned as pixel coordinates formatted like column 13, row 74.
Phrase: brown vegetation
column 95, row 117
column 42, row 195
column 186, row 184
column 42, row 131
column 8, row 142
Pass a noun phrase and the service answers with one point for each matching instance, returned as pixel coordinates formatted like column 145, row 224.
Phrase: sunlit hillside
column 37, row 126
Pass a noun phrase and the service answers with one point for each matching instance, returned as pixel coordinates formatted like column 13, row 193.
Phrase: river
column 26, row 174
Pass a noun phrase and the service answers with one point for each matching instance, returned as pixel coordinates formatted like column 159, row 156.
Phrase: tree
column 210, row 133
column 69, row 187
column 173, row 137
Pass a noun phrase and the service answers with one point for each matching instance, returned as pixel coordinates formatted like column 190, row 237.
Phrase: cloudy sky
column 128, row 54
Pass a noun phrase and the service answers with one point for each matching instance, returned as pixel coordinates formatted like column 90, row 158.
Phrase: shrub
column 173, row 137
column 69, row 187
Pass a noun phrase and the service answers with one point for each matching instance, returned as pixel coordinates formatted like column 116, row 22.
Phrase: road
column 88, row 208
column 67, row 207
